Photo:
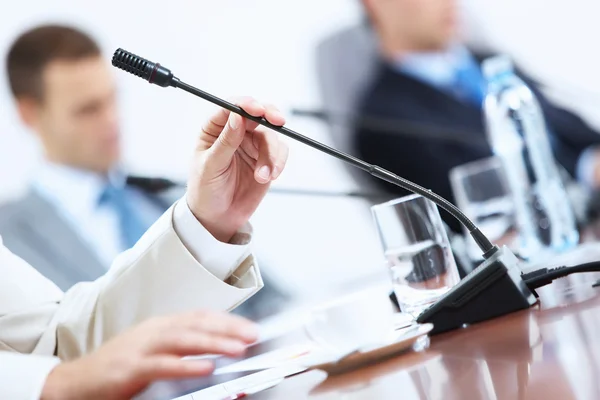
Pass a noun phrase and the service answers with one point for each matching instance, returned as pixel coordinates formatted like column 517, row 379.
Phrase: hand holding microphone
column 234, row 163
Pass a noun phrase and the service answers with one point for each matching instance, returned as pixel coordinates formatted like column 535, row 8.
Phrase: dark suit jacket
column 393, row 95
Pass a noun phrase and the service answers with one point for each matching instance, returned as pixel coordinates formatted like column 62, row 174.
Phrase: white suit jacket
column 166, row 272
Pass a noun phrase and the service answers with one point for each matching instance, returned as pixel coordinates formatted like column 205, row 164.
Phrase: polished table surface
column 550, row 351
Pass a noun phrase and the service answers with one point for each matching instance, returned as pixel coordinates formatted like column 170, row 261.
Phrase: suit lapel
column 59, row 243
column 432, row 93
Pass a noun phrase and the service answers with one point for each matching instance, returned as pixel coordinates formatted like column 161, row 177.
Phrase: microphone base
column 493, row 289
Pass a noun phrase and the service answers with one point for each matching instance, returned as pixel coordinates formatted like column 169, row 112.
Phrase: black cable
column 545, row 276
column 400, row 127
column 161, row 76
column 156, row 185
column 321, row 193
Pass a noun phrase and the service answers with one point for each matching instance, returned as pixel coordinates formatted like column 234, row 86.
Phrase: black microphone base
column 493, row 289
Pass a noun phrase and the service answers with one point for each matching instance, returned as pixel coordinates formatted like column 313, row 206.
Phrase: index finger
column 271, row 114
column 225, row 324
column 218, row 121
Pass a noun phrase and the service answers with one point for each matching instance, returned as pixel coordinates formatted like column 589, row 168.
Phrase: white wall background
column 265, row 48
column 554, row 40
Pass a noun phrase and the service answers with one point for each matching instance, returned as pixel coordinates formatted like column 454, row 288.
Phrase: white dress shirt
column 435, row 68
column 75, row 193
column 216, row 257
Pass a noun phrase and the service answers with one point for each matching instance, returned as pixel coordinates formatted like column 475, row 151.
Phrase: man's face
column 77, row 117
column 418, row 25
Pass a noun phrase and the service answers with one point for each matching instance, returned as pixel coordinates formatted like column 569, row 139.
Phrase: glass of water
column 482, row 193
column 417, row 251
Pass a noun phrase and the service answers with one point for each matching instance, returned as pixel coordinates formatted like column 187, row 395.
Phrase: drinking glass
column 417, row 251
column 481, row 191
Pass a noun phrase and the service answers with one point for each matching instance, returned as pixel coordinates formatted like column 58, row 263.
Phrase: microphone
column 157, row 74
column 494, row 288
column 138, row 66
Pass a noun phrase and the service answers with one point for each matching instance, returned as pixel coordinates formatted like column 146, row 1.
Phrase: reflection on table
column 550, row 351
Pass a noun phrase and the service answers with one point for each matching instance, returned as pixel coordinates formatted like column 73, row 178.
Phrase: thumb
column 230, row 138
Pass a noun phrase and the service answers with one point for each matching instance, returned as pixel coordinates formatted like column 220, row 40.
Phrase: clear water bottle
column 518, row 135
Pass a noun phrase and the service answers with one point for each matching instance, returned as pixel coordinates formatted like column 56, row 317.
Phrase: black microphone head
column 138, row 66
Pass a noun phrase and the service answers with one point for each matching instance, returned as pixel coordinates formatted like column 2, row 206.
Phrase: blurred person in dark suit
column 82, row 209
column 426, row 75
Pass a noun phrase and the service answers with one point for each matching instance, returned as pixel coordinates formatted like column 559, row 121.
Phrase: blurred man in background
column 81, row 210
column 428, row 77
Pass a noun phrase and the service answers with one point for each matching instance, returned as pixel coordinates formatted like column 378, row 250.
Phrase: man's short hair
column 31, row 53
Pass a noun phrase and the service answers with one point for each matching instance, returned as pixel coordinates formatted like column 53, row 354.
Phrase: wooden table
column 550, row 351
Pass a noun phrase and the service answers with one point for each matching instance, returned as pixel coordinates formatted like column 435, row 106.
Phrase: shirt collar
column 435, row 68
column 74, row 189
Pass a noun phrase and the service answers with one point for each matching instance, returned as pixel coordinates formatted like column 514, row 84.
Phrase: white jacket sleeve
column 22, row 376
column 160, row 275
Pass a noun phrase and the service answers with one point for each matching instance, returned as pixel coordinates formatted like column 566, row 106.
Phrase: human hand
column 234, row 163
column 127, row 364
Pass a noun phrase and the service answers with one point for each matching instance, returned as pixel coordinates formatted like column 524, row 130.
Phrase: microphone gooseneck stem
column 281, row 129
column 161, row 76
column 482, row 241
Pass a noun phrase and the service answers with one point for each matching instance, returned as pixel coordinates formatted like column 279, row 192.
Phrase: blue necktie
column 130, row 222
column 469, row 84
